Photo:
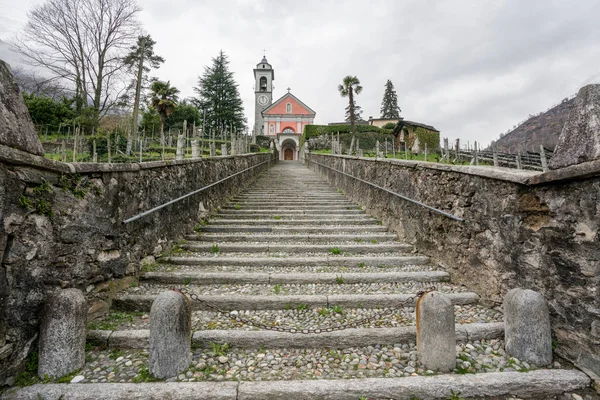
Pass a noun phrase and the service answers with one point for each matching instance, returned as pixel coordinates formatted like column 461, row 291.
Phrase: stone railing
column 520, row 229
column 63, row 228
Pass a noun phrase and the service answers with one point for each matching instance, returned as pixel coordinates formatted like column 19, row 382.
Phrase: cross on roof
column 288, row 89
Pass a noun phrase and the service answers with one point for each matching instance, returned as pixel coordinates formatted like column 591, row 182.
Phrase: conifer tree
column 357, row 112
column 389, row 104
column 141, row 58
column 219, row 97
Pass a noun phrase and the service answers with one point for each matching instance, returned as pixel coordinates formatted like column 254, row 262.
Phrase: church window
column 288, row 130
column 288, row 108
column 263, row 84
column 272, row 129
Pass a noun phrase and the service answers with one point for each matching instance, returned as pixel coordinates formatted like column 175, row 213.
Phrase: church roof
column 272, row 109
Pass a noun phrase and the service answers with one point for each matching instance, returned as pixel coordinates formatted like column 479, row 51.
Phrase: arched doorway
column 288, row 150
column 288, row 154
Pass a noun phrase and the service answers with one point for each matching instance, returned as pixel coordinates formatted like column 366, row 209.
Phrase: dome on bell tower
column 264, row 64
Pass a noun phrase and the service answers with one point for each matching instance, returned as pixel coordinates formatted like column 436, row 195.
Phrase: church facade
column 282, row 120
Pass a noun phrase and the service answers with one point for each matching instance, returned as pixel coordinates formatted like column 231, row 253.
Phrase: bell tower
column 263, row 92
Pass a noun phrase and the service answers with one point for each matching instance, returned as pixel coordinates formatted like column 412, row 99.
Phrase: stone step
column 321, row 230
column 281, row 302
column 291, row 212
column 282, row 238
column 299, row 261
column 205, row 278
column 295, row 202
column 308, row 191
column 315, row 201
column 299, row 207
column 309, row 318
column 351, row 337
column 292, row 216
column 297, row 222
column 538, row 384
column 335, row 287
column 355, row 248
column 290, row 269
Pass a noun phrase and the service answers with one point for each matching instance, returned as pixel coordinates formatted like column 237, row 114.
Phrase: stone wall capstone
column 63, row 228
column 537, row 231
column 16, row 127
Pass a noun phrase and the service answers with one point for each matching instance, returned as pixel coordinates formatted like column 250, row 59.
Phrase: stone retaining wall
column 521, row 229
column 62, row 227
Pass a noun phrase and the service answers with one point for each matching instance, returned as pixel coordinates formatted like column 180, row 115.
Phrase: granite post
column 527, row 332
column 62, row 334
column 170, row 335
column 436, row 335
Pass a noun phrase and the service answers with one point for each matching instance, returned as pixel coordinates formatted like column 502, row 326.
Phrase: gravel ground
column 310, row 318
column 294, row 269
column 219, row 363
column 298, row 289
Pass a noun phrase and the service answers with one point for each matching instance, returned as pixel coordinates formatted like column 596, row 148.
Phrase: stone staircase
column 293, row 254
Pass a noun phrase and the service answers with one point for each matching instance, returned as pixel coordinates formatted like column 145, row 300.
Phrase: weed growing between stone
column 219, row 349
column 145, row 376
column 214, row 248
column 339, row 280
column 113, row 320
column 335, row 251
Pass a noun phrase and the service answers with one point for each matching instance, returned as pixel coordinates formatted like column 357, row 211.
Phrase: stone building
column 283, row 120
column 409, row 132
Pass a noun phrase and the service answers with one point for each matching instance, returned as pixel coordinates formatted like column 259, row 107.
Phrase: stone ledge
column 539, row 382
column 19, row 157
column 524, row 177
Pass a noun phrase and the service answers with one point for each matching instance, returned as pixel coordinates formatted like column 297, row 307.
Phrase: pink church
column 285, row 119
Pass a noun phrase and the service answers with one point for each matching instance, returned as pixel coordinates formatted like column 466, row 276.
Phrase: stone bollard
column 180, row 143
column 527, row 333
column 436, row 336
column 62, row 334
column 223, row 149
column 213, row 151
column 170, row 335
column 195, row 149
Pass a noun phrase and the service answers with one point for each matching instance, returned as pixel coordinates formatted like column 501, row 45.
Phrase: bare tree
column 35, row 83
column 83, row 43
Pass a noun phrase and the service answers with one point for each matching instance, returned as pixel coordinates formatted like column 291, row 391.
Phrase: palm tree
column 349, row 87
column 164, row 100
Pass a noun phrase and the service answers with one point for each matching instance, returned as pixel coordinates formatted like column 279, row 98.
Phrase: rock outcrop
column 16, row 127
column 579, row 140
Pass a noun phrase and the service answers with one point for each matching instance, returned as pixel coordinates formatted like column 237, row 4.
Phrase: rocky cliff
column 541, row 129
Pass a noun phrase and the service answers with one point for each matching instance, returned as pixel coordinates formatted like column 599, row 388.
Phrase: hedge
column 318, row 130
column 432, row 139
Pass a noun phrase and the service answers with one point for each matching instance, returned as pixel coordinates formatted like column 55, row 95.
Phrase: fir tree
column 219, row 97
column 357, row 112
column 389, row 104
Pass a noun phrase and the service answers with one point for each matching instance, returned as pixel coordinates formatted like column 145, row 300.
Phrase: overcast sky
column 472, row 69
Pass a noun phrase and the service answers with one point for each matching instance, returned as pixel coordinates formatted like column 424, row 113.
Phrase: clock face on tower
column 262, row 99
